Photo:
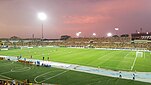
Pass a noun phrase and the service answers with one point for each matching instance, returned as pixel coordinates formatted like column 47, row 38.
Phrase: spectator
column 120, row 74
column 13, row 82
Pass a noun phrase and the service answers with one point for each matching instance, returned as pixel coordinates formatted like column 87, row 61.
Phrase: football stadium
column 75, row 42
column 77, row 61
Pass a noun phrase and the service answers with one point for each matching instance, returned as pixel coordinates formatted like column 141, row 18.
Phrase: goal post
column 139, row 54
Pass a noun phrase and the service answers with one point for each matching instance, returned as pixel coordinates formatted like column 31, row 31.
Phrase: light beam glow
column 94, row 34
column 109, row 34
column 116, row 29
column 42, row 16
column 78, row 34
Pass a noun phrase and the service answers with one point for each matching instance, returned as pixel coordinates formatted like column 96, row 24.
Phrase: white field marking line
column 133, row 63
column 21, row 70
column 5, row 77
column 42, row 75
column 55, row 76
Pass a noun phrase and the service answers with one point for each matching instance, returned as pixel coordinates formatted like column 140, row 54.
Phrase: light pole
column 42, row 16
column 42, row 34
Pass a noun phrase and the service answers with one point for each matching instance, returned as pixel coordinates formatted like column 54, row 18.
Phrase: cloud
column 122, row 6
column 84, row 19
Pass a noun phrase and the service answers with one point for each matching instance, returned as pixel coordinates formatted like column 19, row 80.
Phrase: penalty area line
column 133, row 63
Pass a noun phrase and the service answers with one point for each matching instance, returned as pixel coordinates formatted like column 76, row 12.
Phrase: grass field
column 108, row 59
column 19, row 71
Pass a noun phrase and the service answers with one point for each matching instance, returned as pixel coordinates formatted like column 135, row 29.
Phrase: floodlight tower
column 42, row 16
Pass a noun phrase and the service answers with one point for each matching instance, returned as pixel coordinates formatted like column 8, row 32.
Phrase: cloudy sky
column 19, row 17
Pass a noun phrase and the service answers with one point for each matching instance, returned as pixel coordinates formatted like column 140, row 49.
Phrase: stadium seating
column 103, row 42
column 10, row 82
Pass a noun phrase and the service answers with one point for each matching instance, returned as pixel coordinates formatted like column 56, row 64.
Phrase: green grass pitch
column 20, row 71
column 108, row 59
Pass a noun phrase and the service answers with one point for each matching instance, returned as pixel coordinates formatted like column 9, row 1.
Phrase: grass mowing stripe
column 109, row 57
column 101, row 57
column 123, row 62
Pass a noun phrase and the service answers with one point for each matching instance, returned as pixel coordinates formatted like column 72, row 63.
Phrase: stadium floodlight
column 147, row 33
column 42, row 16
column 116, row 29
column 109, row 34
column 94, row 34
column 78, row 34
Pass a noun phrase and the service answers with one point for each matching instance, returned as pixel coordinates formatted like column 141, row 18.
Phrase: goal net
column 139, row 54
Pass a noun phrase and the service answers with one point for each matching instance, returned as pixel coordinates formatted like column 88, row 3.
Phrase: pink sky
column 19, row 17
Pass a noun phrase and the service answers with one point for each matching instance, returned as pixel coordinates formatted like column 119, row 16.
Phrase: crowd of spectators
column 104, row 42
column 15, row 82
column 110, row 42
